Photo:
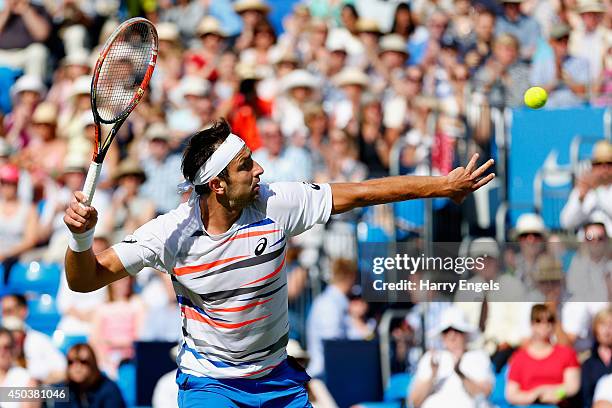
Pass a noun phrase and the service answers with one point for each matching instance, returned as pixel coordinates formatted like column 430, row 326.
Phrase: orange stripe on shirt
column 252, row 234
column 262, row 370
column 186, row 270
column 276, row 271
column 193, row 315
column 239, row 308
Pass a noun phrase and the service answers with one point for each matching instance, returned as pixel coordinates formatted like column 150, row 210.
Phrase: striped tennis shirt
column 231, row 287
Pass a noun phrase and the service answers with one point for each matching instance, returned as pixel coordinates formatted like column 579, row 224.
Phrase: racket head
column 123, row 70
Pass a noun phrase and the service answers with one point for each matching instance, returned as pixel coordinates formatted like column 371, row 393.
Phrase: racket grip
column 90, row 182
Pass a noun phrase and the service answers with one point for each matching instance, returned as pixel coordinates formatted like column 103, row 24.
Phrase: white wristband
column 81, row 242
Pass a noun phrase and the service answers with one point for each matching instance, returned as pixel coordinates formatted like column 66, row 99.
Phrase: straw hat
column 157, row 131
column 602, row 152
column 75, row 163
column 368, row 25
column 210, row 25
column 590, row 6
column 548, row 268
column 351, row 76
column 45, row 113
column 247, row 71
column 299, row 79
column 129, row 167
column 251, row 5
column 393, row 43
column 168, row 32
column 559, row 31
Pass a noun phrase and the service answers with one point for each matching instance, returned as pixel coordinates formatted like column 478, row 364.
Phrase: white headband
column 215, row 164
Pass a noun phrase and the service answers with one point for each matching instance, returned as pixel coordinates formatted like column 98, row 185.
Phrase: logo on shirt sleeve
column 130, row 239
column 261, row 246
column 314, row 186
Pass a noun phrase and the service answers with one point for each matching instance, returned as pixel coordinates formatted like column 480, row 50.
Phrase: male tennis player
column 225, row 250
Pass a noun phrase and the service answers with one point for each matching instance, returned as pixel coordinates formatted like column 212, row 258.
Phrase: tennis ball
column 535, row 97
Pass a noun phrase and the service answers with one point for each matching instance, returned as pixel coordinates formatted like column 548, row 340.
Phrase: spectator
column 599, row 364
column 603, row 395
column 503, row 78
column 592, row 194
column 27, row 93
column 19, row 220
column 194, row 107
column 44, row 362
column 403, row 23
column 186, row 15
column 453, row 376
column 564, row 76
column 347, row 35
column 169, row 64
column 77, row 309
column 328, row 315
column 373, row 147
column 542, row 372
column 87, row 386
column 73, row 66
column 523, row 27
column 129, row 209
column 161, row 167
column 282, row 163
column 203, row 61
column 252, row 13
column 23, row 28
column 45, row 152
column 299, row 89
column 589, row 40
column 116, row 325
column 10, row 373
column 346, row 115
column 424, row 46
column 586, row 278
column 530, row 233
column 493, row 312
column 479, row 45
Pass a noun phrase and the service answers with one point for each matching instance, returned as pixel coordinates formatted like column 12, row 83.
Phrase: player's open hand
column 464, row 180
column 80, row 218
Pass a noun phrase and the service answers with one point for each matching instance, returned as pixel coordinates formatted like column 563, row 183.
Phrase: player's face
column 243, row 186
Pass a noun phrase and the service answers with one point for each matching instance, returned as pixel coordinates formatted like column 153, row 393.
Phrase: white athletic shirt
column 231, row 287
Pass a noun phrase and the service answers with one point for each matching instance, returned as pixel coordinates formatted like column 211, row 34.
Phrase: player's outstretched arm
column 86, row 272
column 456, row 186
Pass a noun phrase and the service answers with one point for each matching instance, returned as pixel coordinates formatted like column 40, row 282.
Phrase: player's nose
column 257, row 170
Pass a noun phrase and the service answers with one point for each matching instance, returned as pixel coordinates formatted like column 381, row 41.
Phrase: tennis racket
column 120, row 77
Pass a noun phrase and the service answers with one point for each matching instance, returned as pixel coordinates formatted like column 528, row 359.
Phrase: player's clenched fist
column 80, row 218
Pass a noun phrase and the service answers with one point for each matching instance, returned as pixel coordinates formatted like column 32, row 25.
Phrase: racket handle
column 90, row 182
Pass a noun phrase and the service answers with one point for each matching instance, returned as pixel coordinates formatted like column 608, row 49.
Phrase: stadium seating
column 43, row 314
column 34, row 278
column 7, row 79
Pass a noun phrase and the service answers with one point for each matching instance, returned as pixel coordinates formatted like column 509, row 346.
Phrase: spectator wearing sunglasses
column 542, row 372
column 592, row 193
column 87, row 386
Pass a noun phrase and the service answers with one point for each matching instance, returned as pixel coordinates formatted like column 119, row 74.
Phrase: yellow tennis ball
column 536, row 97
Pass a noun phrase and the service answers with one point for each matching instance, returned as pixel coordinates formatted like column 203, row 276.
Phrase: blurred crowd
column 338, row 91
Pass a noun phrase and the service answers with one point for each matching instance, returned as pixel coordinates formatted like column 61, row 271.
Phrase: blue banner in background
column 542, row 138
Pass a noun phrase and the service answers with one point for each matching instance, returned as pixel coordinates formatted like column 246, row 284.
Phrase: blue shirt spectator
column 564, row 76
column 328, row 318
column 523, row 27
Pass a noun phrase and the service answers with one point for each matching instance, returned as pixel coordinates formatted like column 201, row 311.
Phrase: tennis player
column 225, row 251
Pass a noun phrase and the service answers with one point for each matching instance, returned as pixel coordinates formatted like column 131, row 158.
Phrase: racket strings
column 123, row 70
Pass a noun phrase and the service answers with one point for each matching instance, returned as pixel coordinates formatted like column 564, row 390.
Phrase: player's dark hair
column 19, row 298
column 200, row 147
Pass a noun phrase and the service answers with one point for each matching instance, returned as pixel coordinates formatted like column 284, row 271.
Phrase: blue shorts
column 284, row 387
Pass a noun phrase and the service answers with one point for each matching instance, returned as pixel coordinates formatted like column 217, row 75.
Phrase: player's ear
column 217, row 185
